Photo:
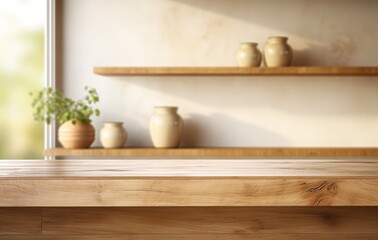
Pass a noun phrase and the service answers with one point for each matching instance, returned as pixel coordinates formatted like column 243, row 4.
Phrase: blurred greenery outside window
column 21, row 71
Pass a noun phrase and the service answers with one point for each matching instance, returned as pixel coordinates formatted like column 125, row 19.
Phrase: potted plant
column 74, row 117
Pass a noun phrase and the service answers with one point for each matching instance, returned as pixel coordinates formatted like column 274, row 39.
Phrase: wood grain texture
column 214, row 220
column 220, row 223
column 23, row 237
column 189, row 183
column 236, row 236
column 215, row 152
column 220, row 168
column 20, row 221
column 190, row 192
column 254, row 236
column 236, row 71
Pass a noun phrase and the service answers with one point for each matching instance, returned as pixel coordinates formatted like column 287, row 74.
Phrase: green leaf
column 49, row 103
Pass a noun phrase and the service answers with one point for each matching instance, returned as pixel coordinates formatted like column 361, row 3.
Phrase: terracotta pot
column 277, row 53
column 248, row 55
column 113, row 135
column 166, row 127
column 77, row 135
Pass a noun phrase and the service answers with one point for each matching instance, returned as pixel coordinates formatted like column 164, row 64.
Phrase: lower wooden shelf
column 215, row 152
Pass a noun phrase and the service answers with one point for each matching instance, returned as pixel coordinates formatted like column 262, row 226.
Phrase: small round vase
column 113, row 135
column 248, row 55
column 166, row 127
column 75, row 136
column 277, row 53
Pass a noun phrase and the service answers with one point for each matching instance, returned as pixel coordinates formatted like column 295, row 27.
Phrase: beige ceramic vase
column 77, row 135
column 166, row 127
column 277, row 53
column 248, row 55
column 113, row 135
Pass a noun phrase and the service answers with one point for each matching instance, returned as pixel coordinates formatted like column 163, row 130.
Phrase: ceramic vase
column 277, row 52
column 113, row 135
column 248, row 55
column 78, row 135
column 166, row 127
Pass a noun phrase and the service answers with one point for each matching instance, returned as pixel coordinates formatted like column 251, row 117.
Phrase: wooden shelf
column 215, row 152
column 236, row 71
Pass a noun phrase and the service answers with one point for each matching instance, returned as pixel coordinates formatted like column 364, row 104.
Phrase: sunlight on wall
column 21, row 71
column 227, row 111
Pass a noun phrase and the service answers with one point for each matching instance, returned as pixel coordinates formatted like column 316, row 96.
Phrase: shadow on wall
column 200, row 130
column 203, row 131
column 241, row 107
column 256, row 10
column 309, row 57
column 323, row 28
column 300, row 96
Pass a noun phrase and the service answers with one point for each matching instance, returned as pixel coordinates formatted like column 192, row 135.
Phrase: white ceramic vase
column 277, row 53
column 248, row 55
column 166, row 127
column 113, row 135
column 75, row 136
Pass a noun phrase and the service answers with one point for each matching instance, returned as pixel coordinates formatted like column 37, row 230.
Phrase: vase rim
column 76, row 122
column 249, row 43
column 278, row 37
column 166, row 107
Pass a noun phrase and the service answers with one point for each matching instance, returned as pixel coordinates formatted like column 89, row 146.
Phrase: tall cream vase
column 166, row 127
column 248, row 55
column 277, row 52
column 75, row 136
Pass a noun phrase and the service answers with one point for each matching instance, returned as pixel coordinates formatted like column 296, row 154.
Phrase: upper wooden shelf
column 236, row 71
column 215, row 152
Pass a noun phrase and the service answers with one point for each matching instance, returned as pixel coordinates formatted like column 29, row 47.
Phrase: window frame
column 50, row 69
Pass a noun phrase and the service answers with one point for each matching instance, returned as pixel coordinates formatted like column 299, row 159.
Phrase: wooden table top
column 189, row 168
column 175, row 182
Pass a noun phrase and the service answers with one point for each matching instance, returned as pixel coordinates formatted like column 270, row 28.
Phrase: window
column 22, row 38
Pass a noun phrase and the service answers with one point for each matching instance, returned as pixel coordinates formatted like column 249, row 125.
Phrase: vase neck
column 165, row 109
column 113, row 124
column 277, row 39
column 248, row 45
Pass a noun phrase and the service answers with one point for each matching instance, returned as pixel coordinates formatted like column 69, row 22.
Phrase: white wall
column 228, row 111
